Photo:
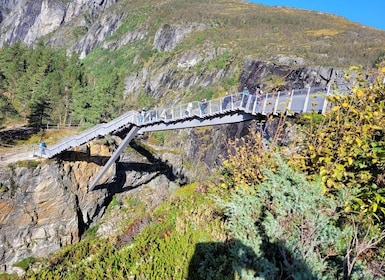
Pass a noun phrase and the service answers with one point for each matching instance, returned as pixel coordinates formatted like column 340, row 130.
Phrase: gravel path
column 17, row 154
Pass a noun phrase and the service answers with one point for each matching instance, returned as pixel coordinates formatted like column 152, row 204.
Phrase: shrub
column 347, row 147
column 289, row 224
column 248, row 155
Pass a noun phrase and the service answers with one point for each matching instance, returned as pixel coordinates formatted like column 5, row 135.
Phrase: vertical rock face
column 18, row 22
column 49, row 16
column 27, row 21
column 37, row 217
column 167, row 37
column 45, row 208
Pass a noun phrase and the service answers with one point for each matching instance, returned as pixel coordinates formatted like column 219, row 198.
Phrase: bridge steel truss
column 232, row 108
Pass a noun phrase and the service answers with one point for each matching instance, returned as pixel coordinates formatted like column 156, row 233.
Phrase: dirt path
column 10, row 155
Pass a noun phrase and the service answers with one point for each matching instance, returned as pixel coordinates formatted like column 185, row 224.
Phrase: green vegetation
column 26, row 163
column 153, row 245
column 38, row 84
column 347, row 148
column 43, row 85
column 25, row 264
column 157, row 138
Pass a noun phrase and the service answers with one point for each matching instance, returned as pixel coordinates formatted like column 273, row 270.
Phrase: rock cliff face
column 27, row 21
column 46, row 207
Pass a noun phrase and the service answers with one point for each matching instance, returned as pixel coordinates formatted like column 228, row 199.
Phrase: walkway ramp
column 97, row 131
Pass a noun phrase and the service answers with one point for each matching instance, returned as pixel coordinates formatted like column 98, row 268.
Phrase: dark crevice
column 82, row 227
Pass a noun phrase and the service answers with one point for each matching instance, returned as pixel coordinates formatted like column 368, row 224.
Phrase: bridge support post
column 306, row 101
column 130, row 135
column 276, row 103
column 325, row 105
column 263, row 111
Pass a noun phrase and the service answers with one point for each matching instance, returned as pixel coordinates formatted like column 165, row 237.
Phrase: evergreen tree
column 39, row 116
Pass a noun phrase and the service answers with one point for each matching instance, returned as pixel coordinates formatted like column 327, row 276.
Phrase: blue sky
column 366, row 12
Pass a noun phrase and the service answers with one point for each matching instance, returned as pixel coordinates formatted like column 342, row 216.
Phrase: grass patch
column 27, row 163
column 115, row 202
column 323, row 32
column 91, row 232
column 25, row 263
column 50, row 136
column 6, row 276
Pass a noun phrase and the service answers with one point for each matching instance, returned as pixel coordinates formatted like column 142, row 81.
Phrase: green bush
column 290, row 225
column 347, row 147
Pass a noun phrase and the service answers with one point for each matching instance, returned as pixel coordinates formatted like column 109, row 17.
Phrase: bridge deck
column 232, row 108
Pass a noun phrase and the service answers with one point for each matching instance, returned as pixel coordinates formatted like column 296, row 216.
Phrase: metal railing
column 288, row 102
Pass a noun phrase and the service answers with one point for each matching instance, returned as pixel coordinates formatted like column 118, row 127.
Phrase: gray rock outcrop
column 46, row 207
column 27, row 21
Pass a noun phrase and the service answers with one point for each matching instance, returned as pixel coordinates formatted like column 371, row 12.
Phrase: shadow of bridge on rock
column 148, row 171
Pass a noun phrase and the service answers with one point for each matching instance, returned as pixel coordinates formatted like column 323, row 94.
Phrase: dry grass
column 50, row 136
column 254, row 26
column 324, row 32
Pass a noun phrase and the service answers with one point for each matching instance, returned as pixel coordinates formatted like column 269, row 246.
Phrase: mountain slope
column 251, row 29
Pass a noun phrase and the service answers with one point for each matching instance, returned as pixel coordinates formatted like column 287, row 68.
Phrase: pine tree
column 39, row 113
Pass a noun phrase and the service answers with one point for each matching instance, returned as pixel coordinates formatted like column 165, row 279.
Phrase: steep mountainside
column 249, row 29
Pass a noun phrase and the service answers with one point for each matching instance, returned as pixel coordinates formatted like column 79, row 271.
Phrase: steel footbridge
column 232, row 108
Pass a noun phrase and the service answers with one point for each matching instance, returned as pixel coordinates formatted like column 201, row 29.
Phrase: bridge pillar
column 130, row 135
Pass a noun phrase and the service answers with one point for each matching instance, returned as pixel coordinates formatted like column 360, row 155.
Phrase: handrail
column 289, row 102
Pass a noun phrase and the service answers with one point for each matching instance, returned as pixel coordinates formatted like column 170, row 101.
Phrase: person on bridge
column 203, row 106
column 142, row 114
column 245, row 96
column 226, row 101
column 43, row 146
column 189, row 109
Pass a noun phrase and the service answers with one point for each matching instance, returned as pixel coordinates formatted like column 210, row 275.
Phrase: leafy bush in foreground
column 347, row 147
column 294, row 230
